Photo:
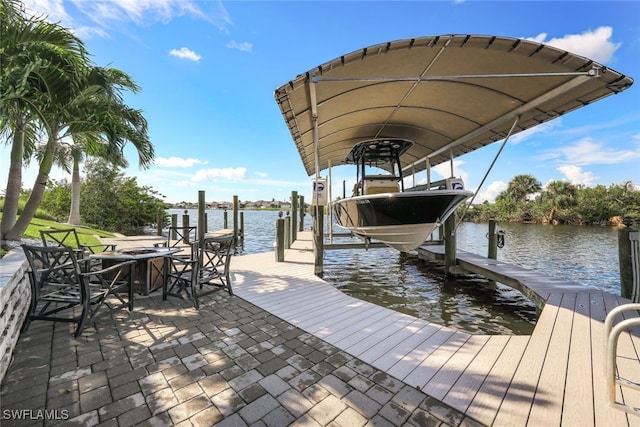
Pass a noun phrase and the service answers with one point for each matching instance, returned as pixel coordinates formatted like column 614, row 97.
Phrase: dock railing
column 612, row 333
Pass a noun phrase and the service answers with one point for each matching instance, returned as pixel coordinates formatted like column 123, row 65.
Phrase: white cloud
column 576, row 175
column 595, row 44
column 491, row 192
column 185, row 184
column 224, row 173
column 444, row 170
column 185, row 53
column 53, row 9
column 243, row 47
column 178, row 162
column 105, row 13
column 543, row 128
column 589, row 152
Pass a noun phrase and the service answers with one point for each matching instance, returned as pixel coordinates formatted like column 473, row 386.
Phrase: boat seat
column 380, row 186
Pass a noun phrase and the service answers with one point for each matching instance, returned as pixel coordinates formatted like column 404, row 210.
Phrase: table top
column 136, row 253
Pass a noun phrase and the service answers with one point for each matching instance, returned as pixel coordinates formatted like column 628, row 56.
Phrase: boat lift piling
column 294, row 216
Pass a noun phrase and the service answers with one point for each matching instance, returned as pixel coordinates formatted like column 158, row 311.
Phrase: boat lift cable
column 504, row 142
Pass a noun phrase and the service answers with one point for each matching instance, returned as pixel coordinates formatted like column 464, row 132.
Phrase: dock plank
column 445, row 379
column 518, row 398
column 488, row 400
column 390, row 357
column 603, row 413
column 354, row 329
column 402, row 323
column 407, row 363
column 411, row 331
column 547, row 402
column 429, row 367
column 465, row 388
column 578, row 394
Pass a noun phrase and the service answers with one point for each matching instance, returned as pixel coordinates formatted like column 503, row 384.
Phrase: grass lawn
column 86, row 235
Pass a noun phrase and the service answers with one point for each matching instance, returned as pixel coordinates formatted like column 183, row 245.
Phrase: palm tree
column 39, row 64
column 522, row 186
column 561, row 195
column 97, row 118
column 109, row 124
column 86, row 106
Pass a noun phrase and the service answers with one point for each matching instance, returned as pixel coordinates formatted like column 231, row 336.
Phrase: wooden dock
column 553, row 377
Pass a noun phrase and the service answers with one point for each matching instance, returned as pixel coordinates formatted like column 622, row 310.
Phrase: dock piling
column 235, row 217
column 318, row 241
column 174, row 224
column 450, row 244
column 629, row 261
column 301, row 227
column 294, row 216
column 202, row 221
column 185, row 225
column 493, row 239
column 280, row 239
column 287, row 231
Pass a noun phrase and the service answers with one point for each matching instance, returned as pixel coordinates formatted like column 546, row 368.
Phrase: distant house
column 259, row 204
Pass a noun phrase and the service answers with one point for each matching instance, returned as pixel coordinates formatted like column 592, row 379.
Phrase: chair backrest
column 216, row 254
column 60, row 237
column 182, row 236
column 54, row 265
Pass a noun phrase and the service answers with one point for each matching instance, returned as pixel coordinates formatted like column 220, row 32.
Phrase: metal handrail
column 612, row 333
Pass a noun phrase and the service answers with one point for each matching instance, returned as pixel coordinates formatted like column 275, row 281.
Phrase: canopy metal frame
column 450, row 94
column 580, row 77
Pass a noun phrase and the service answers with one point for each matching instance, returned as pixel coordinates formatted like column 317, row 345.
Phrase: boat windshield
column 382, row 170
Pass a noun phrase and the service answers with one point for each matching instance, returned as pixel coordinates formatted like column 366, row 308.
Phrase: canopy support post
column 451, row 161
column 318, row 227
column 330, row 209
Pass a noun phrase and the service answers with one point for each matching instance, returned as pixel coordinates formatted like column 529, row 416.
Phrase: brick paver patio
column 228, row 364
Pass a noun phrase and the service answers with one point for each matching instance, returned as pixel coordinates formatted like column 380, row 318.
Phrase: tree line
column 58, row 107
column 111, row 201
column 560, row 202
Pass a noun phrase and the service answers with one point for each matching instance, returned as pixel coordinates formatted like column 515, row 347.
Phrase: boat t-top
column 380, row 207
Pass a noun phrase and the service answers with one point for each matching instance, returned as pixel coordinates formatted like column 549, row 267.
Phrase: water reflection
column 404, row 283
column 587, row 255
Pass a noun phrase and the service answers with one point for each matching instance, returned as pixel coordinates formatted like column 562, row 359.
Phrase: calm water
column 587, row 255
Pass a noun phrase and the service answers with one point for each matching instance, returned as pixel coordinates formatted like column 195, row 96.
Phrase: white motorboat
column 382, row 209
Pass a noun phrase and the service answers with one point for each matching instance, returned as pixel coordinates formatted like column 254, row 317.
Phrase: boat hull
column 402, row 221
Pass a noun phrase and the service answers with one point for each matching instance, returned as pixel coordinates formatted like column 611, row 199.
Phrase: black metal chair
column 63, row 290
column 207, row 270
column 215, row 261
column 182, row 236
column 69, row 237
column 181, row 275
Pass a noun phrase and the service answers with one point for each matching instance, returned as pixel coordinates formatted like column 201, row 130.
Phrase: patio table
column 148, row 269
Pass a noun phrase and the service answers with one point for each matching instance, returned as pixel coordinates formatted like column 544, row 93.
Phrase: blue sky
column 208, row 70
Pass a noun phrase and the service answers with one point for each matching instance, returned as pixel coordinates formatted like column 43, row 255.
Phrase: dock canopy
column 449, row 94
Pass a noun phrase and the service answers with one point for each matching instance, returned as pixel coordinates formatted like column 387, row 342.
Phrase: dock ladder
column 612, row 333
